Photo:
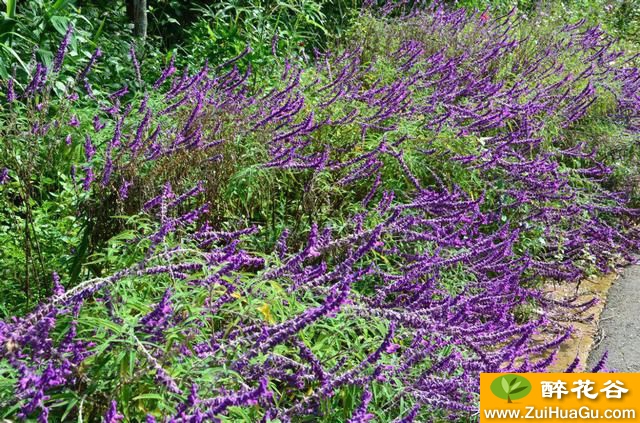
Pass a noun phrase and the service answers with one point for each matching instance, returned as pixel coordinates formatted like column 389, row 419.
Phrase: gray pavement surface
column 619, row 332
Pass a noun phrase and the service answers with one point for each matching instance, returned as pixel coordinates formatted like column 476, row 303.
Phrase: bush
column 356, row 240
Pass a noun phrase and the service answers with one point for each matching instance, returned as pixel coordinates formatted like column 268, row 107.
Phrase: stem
column 27, row 257
column 509, row 399
column 11, row 9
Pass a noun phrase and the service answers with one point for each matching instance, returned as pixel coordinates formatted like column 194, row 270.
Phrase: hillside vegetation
column 305, row 226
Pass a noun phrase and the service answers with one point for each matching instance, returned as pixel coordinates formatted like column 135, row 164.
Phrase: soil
column 587, row 323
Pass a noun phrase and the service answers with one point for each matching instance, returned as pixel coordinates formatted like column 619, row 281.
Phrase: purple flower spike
column 58, row 289
column 89, row 149
column 112, row 415
column 62, row 50
column 4, row 176
column 136, row 64
column 11, row 93
column 361, row 415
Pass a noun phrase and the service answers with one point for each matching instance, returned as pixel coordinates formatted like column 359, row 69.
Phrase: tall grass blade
column 11, row 9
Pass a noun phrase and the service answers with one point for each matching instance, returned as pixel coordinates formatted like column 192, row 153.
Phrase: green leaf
column 513, row 381
column 103, row 323
column 14, row 54
column 70, row 407
column 505, row 385
column 60, row 86
column 46, row 56
column 515, row 391
column 212, row 35
column 99, row 31
column 58, row 4
column 11, row 410
column 60, row 23
column 515, row 386
column 148, row 396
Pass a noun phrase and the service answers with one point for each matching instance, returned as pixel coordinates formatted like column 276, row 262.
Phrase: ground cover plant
column 352, row 240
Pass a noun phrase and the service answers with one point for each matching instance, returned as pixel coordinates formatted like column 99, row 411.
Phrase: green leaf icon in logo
column 510, row 387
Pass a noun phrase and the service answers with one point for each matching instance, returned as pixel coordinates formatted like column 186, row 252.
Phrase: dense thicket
column 353, row 239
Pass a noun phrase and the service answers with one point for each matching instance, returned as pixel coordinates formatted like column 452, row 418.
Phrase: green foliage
column 47, row 223
column 620, row 17
column 293, row 27
column 34, row 240
column 34, row 33
column 36, row 26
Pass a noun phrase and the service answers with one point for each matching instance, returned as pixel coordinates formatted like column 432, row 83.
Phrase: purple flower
column 136, row 64
column 62, row 49
column 97, row 124
column 58, row 289
column 74, row 121
column 123, row 191
column 89, row 177
column 158, row 319
column 119, row 93
column 601, row 364
column 391, row 348
column 218, row 405
column 11, row 94
column 89, row 149
column 168, row 71
column 112, row 415
column 92, row 60
column 360, row 415
column 4, row 176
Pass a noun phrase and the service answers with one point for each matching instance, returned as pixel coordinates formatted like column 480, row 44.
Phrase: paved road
column 620, row 325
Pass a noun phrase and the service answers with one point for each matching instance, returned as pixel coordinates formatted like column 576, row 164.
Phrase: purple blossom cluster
column 384, row 275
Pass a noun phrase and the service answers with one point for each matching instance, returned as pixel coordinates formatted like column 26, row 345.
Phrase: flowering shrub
column 356, row 241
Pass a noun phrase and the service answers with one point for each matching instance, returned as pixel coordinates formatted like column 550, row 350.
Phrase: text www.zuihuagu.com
column 561, row 413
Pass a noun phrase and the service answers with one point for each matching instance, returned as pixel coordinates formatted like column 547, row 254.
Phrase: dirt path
column 584, row 321
column 619, row 326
